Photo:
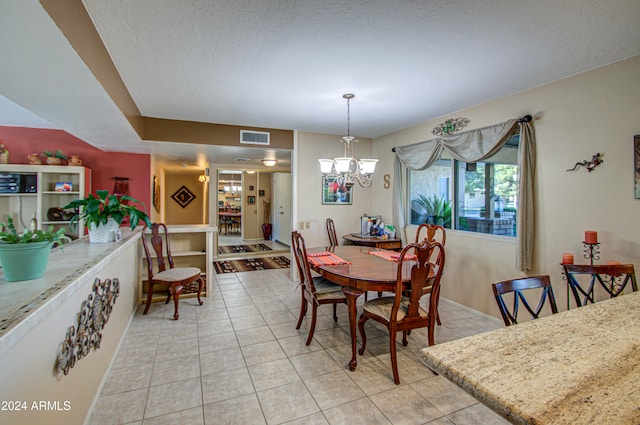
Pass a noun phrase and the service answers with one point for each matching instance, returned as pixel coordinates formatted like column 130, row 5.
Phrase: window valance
column 475, row 146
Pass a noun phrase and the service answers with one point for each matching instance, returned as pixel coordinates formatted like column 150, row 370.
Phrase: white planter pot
column 104, row 232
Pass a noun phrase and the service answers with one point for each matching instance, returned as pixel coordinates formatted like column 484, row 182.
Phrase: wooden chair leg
column 312, row 326
column 176, row 296
column 363, row 336
column 394, row 357
column 200, row 286
column 149, row 296
column 404, row 338
column 335, row 316
column 303, row 310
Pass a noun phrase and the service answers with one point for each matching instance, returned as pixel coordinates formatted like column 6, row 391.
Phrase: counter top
column 20, row 301
column 576, row 367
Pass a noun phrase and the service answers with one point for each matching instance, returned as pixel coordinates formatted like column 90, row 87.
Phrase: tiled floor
column 238, row 359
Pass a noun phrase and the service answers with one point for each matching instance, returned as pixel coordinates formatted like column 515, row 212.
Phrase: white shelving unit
column 22, row 206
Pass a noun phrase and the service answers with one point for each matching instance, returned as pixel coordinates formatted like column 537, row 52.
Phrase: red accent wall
column 21, row 141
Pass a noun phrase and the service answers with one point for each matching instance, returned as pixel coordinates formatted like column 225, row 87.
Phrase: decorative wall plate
column 450, row 126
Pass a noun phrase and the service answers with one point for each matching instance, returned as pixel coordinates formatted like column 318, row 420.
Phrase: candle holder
column 591, row 251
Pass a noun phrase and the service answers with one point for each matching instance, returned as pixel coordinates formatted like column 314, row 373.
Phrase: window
column 476, row 197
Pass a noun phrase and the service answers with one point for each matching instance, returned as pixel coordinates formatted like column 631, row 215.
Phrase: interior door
column 282, row 207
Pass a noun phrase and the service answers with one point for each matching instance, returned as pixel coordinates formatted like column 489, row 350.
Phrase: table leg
column 352, row 295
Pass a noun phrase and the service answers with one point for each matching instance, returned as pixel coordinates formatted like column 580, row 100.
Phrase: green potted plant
column 104, row 213
column 24, row 256
column 55, row 158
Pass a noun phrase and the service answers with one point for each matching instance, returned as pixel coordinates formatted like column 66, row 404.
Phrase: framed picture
column 63, row 186
column 251, row 188
column 335, row 192
column 261, row 192
column 251, row 200
column 156, row 194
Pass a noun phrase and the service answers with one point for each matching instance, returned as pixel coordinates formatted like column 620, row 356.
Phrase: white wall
column 308, row 187
column 596, row 111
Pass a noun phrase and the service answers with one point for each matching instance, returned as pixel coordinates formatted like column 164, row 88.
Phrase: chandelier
column 347, row 167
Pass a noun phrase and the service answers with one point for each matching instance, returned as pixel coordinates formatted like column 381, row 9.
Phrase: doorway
column 244, row 204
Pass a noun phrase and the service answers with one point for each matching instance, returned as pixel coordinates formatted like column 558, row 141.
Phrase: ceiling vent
column 251, row 137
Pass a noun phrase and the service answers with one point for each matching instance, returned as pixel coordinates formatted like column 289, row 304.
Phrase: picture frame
column 156, row 194
column 251, row 188
column 251, row 200
column 63, row 187
column 261, row 192
column 335, row 191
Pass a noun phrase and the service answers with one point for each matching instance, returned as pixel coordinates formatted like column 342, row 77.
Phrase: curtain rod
column 526, row 118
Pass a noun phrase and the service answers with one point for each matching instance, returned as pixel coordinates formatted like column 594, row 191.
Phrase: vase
column 4, row 157
column 52, row 160
column 104, row 232
column 24, row 261
column 266, row 231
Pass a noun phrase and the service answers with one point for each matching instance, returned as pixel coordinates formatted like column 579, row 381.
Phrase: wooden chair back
column 613, row 278
column 300, row 254
column 434, row 232
column 158, row 233
column 518, row 287
column 331, row 231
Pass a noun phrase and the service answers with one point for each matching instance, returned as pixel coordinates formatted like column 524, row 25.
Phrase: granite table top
column 576, row 367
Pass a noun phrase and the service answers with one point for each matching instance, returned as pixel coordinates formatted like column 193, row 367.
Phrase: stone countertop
column 576, row 367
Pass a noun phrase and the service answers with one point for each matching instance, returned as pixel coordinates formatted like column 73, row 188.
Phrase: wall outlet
column 307, row 225
column 301, row 225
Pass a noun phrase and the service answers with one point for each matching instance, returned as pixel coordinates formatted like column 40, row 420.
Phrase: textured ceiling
column 286, row 63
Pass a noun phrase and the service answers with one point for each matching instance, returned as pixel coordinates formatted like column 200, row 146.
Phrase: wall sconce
column 269, row 162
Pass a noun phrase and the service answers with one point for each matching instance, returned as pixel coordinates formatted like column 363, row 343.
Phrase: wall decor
column 90, row 321
column 251, row 188
column 589, row 165
column 450, row 126
column 261, row 192
column 183, row 196
column 335, row 191
column 387, row 181
column 156, row 194
column 251, row 200
column 636, row 153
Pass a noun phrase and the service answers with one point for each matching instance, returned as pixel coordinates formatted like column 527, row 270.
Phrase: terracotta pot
column 74, row 160
column 52, row 160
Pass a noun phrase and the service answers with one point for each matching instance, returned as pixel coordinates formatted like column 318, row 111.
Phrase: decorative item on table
column 24, row 256
column 74, row 160
column 63, row 187
column 34, row 159
column 591, row 246
column 54, row 158
column 389, row 231
column 367, row 221
column 567, row 258
column 104, row 214
column 4, row 154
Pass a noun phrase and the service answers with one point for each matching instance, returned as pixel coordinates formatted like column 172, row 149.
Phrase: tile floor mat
column 251, row 264
column 235, row 249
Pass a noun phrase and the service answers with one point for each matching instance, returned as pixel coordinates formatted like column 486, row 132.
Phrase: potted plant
column 55, row 158
column 104, row 213
column 24, row 256
column 266, row 226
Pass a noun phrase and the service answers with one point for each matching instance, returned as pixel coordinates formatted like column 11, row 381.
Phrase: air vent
column 254, row 137
column 242, row 159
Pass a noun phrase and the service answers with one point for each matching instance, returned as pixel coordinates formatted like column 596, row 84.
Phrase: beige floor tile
column 477, row 414
column 443, row 394
column 119, row 408
column 254, row 335
column 262, row 353
column 333, row 389
column 249, row 321
column 192, row 416
column 221, row 360
column 315, row 419
column 173, row 397
column 226, row 385
column 272, row 374
column 313, row 364
column 296, row 345
column 175, row 369
column 361, row 411
column 287, row 402
column 128, row 379
column 216, row 342
column 214, row 327
column 243, row 410
column 403, row 405
column 373, row 377
column 278, row 316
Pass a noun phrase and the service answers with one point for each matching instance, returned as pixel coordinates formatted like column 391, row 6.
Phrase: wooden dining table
column 580, row 366
column 365, row 272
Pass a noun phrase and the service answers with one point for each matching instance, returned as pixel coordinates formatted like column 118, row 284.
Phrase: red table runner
column 326, row 259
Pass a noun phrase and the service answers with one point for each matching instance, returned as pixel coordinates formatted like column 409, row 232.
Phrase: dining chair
column 613, row 278
column 173, row 278
column 434, row 233
column 315, row 290
column 539, row 284
column 400, row 313
column 331, row 231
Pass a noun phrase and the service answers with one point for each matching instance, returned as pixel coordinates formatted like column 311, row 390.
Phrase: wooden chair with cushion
column 400, row 313
column 517, row 287
column 612, row 278
column 331, row 231
column 314, row 290
column 173, row 278
column 434, row 233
